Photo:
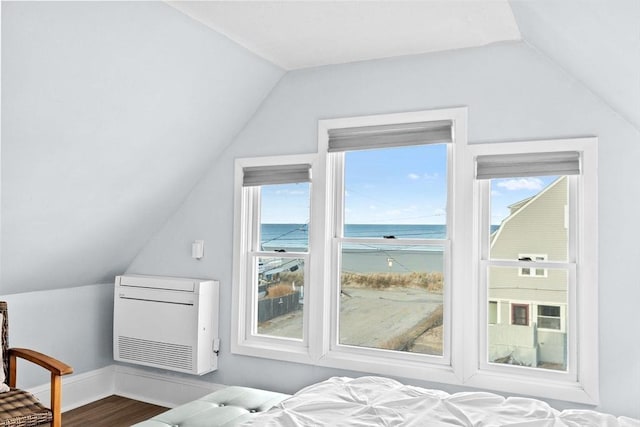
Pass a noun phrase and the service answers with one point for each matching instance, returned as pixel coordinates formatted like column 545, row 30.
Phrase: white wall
column 111, row 113
column 74, row 325
column 513, row 93
column 596, row 41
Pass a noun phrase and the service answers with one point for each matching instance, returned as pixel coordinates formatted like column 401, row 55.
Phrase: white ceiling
column 300, row 34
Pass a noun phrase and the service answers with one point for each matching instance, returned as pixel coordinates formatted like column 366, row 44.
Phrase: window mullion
column 527, row 264
column 337, row 161
column 393, row 242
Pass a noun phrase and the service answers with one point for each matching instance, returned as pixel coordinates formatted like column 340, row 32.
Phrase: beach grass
column 430, row 281
column 279, row 290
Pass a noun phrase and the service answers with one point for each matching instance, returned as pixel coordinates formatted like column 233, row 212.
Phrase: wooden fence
column 268, row 308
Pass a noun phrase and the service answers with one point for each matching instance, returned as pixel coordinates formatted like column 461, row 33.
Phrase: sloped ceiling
column 598, row 42
column 111, row 112
column 301, row 34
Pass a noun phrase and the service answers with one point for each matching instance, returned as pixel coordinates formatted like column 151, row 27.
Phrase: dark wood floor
column 113, row 411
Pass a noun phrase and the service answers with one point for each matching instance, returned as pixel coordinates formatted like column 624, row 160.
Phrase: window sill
column 532, row 386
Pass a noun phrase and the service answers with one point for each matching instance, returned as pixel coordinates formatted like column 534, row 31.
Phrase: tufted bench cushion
column 228, row 407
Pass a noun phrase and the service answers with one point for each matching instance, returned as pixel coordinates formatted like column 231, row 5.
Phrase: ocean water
column 284, row 236
column 368, row 258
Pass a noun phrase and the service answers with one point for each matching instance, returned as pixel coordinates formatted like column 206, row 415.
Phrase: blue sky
column 394, row 186
column 405, row 185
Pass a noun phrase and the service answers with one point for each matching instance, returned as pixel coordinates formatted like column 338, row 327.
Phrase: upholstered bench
column 228, row 407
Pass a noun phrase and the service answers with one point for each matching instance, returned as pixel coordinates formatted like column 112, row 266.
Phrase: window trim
column 463, row 367
column 245, row 217
column 582, row 384
column 377, row 361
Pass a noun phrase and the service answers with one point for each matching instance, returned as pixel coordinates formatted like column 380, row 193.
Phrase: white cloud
column 427, row 176
column 291, row 192
column 521, row 184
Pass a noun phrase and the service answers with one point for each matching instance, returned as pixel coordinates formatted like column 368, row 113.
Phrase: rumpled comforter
column 377, row 401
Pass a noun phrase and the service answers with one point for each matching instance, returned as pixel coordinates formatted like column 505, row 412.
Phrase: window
column 389, row 189
column 493, row 312
column 391, row 248
column 520, row 314
column 549, row 317
column 532, row 271
column 534, row 202
column 398, row 235
column 275, row 257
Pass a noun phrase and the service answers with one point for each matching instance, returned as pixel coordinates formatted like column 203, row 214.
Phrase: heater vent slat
column 154, row 352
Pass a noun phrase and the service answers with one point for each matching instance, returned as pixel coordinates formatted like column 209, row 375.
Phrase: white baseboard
column 135, row 383
column 80, row 389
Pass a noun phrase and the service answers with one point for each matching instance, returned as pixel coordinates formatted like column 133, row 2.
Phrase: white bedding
column 377, row 401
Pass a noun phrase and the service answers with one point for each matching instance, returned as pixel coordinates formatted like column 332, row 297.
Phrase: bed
column 374, row 401
column 377, row 401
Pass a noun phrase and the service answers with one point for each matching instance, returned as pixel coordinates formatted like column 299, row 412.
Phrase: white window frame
column 421, row 366
column 580, row 382
column 245, row 339
column 562, row 317
column 464, row 361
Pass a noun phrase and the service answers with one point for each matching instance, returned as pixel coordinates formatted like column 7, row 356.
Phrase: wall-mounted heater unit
column 166, row 322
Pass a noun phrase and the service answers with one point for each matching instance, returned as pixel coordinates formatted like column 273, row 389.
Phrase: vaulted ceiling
column 304, row 34
column 113, row 111
column 597, row 41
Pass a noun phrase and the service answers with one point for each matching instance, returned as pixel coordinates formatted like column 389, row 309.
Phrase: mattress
column 377, row 401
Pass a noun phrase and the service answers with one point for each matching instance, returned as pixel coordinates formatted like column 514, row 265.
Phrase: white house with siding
column 528, row 305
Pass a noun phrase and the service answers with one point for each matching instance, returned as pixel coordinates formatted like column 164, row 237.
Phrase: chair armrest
column 57, row 369
column 54, row 366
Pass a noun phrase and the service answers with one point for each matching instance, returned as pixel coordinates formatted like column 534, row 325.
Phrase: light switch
column 197, row 249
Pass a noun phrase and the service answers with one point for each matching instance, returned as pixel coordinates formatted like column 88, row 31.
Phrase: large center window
column 391, row 244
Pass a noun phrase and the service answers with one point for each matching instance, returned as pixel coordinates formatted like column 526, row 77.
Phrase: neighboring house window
column 532, row 271
column 394, row 267
column 549, row 317
column 520, row 314
column 493, row 312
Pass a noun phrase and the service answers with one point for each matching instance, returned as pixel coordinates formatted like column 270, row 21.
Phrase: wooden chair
column 19, row 408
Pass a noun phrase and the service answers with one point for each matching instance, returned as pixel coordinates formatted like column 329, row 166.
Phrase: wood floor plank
column 113, row 411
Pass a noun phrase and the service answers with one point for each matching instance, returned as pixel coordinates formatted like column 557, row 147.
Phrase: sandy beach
column 373, row 317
